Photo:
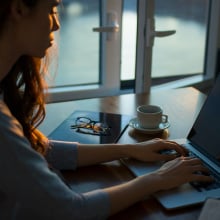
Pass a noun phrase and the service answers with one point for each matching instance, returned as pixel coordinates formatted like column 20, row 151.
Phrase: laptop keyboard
column 201, row 186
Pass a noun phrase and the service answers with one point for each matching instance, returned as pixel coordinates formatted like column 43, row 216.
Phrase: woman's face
column 36, row 31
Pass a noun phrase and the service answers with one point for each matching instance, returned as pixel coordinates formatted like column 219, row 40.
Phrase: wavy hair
column 24, row 89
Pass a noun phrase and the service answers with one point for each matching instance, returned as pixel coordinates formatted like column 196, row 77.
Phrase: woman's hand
column 182, row 170
column 152, row 150
column 172, row 174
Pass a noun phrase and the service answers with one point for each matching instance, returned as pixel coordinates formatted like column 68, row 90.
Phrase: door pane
column 182, row 53
column 129, row 39
column 78, row 45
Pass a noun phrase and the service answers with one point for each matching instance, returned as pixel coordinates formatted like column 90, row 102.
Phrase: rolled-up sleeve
column 62, row 155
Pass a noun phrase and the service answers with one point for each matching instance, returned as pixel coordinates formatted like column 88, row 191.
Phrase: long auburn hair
column 24, row 89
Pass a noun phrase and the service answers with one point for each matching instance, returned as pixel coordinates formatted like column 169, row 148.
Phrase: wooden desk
column 182, row 106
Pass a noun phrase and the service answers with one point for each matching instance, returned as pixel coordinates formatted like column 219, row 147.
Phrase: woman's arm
column 170, row 175
column 144, row 151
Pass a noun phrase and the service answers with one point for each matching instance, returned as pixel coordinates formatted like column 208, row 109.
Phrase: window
column 122, row 56
column 190, row 51
column 182, row 54
column 89, row 50
column 77, row 43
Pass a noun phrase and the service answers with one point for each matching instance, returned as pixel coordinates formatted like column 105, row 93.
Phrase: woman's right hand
column 182, row 170
column 172, row 174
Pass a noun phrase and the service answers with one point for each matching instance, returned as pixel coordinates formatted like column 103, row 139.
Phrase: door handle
column 163, row 33
column 152, row 33
column 112, row 26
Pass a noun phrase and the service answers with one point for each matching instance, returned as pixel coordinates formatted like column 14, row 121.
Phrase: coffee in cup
column 150, row 116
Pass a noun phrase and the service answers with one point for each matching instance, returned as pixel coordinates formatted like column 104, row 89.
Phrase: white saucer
column 134, row 124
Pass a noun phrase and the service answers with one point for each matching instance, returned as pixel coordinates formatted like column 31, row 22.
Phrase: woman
column 28, row 187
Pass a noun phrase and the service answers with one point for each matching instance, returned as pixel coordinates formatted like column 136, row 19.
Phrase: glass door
column 78, row 45
column 89, row 50
column 182, row 54
column 188, row 54
column 104, row 43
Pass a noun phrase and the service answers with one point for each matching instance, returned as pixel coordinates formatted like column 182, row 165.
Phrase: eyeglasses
column 87, row 126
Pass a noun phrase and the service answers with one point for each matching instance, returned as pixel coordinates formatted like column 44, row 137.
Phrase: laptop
column 203, row 141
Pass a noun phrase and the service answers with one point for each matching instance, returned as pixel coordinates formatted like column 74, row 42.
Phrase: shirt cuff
column 62, row 155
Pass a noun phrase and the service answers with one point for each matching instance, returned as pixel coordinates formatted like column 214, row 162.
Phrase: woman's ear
column 19, row 9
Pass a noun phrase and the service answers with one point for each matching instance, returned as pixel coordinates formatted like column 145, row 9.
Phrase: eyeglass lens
column 87, row 123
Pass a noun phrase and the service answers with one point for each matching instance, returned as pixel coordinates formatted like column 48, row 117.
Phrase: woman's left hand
column 156, row 150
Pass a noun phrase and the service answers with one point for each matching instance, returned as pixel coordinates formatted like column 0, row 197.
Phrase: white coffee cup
column 150, row 116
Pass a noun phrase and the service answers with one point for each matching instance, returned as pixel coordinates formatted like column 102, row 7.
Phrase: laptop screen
column 205, row 133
